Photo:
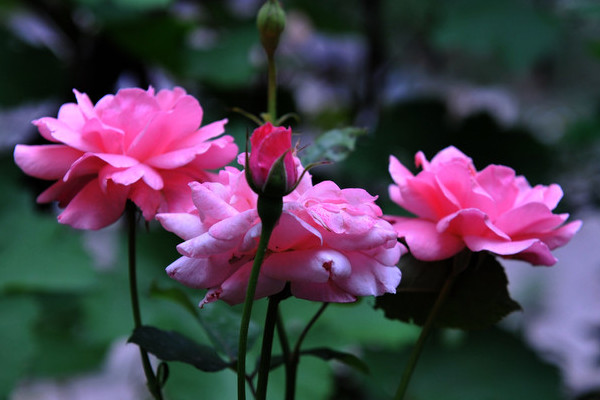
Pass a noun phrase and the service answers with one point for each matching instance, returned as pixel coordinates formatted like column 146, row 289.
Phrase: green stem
column 269, row 210
column 284, row 343
column 290, row 376
column 267, row 344
column 272, row 88
column 427, row 328
column 283, row 340
column 151, row 381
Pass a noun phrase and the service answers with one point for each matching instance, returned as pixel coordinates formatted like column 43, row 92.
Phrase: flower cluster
column 134, row 145
column 457, row 206
column 330, row 243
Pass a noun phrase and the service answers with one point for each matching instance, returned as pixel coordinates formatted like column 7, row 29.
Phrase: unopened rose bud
column 271, row 170
column 270, row 22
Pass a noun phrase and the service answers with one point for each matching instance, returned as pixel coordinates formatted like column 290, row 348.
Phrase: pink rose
column 329, row 243
column 269, row 174
column 134, row 145
column 493, row 209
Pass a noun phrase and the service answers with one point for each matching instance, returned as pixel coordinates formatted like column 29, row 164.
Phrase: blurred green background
column 513, row 82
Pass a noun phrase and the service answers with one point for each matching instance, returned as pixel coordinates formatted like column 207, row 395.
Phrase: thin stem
column 265, row 234
column 429, row 323
column 290, row 376
column 151, row 381
column 283, row 342
column 308, row 326
column 267, row 346
column 272, row 88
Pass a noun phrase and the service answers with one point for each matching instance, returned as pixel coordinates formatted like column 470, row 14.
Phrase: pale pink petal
column 147, row 199
column 184, row 225
column 57, row 131
column 250, row 240
column 45, row 161
column 292, row 232
column 449, row 155
column 71, row 115
column 498, row 245
column 85, row 105
column 210, row 200
column 103, row 138
column 498, row 183
column 176, row 193
column 531, row 218
column 561, row 236
column 225, row 235
column 387, row 255
column 201, row 272
column 167, row 99
column 205, row 133
column 327, row 292
column 175, row 159
column 537, row 254
column 314, row 265
column 470, row 222
column 63, row 192
column 167, row 130
column 93, row 209
column 421, row 161
column 423, row 239
column 129, row 176
column 399, row 172
column 380, row 233
column 369, row 277
column 91, row 164
column 423, row 197
column 130, row 110
column 219, row 152
column 233, row 290
column 548, row 195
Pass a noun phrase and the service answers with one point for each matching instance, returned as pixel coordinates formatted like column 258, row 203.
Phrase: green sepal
column 276, row 184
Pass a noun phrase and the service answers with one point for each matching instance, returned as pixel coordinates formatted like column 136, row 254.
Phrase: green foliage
column 173, row 346
column 334, row 145
column 328, row 354
column 220, row 323
column 47, row 258
column 481, row 28
column 17, row 345
column 478, row 299
column 489, row 364
column 60, row 314
column 139, row 5
column 21, row 62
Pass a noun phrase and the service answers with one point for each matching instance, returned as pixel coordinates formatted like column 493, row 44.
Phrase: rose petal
column 423, row 239
column 314, row 265
column 93, row 208
column 184, row 225
column 327, row 292
column 46, row 161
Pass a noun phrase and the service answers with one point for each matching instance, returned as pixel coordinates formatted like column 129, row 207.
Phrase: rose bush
column 269, row 172
column 329, row 243
column 457, row 206
column 134, row 145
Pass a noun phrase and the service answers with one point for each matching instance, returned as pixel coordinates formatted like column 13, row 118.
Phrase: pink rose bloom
column 457, row 206
column 269, row 144
column 329, row 243
column 134, row 145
